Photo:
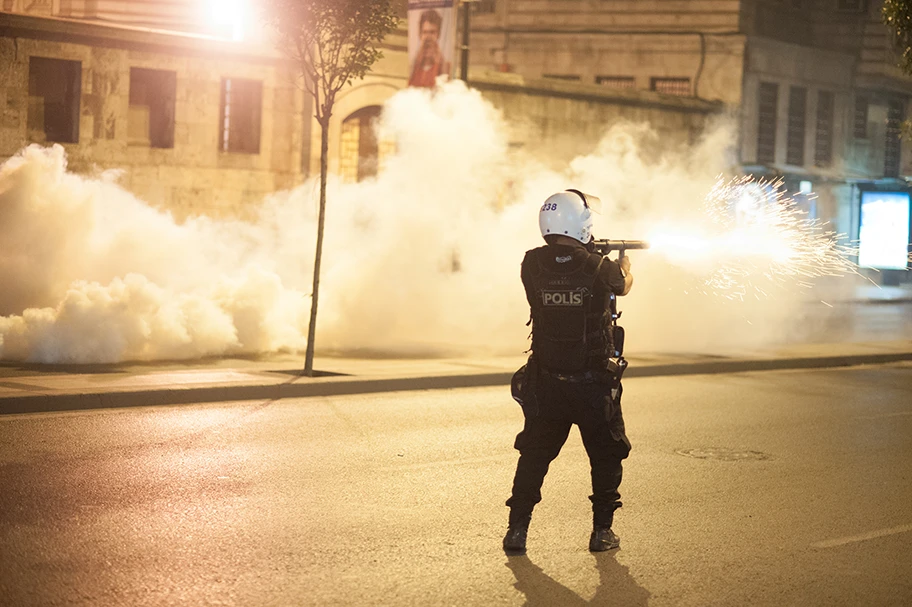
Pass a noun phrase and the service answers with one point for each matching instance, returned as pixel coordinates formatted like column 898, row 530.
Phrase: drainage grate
column 720, row 453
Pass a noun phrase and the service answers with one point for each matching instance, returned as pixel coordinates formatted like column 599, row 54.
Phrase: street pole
column 464, row 60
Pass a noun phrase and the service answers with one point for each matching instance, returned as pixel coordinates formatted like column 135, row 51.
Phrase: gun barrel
column 620, row 245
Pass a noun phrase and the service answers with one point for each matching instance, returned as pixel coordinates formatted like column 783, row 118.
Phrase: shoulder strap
column 536, row 268
column 593, row 266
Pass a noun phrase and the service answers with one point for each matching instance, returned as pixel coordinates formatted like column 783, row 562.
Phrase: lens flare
column 228, row 18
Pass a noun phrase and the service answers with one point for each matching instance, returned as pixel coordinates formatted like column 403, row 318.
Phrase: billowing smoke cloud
column 424, row 260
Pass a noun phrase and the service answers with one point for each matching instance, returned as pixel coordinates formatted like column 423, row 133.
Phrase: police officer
column 571, row 377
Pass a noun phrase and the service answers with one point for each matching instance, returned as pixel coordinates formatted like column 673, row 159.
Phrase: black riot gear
column 571, row 319
column 573, row 377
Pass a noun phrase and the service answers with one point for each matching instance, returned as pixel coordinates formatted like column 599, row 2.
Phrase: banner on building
column 431, row 40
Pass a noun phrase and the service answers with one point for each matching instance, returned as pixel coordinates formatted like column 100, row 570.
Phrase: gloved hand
column 625, row 264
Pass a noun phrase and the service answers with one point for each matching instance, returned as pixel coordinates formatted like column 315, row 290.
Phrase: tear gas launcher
column 603, row 247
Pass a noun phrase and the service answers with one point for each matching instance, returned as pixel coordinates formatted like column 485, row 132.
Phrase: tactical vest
column 570, row 322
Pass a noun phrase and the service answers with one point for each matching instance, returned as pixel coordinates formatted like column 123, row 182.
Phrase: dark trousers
column 560, row 404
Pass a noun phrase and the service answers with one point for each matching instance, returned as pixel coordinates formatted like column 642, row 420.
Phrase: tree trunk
column 312, row 331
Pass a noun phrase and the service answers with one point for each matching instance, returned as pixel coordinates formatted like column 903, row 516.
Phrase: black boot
column 602, row 539
column 514, row 542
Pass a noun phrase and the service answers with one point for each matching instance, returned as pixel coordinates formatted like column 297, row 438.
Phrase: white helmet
column 568, row 213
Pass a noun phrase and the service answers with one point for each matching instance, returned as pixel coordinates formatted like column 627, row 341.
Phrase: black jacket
column 552, row 276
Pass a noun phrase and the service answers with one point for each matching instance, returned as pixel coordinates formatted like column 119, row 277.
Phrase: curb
column 43, row 403
column 876, row 302
column 768, row 364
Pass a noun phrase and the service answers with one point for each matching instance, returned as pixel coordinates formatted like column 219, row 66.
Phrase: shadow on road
column 616, row 585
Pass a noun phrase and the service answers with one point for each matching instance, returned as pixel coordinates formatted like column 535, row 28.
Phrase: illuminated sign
column 884, row 232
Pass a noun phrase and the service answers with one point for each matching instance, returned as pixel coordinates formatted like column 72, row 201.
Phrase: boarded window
column 671, row 86
column 54, row 90
column 823, row 151
column 891, row 144
column 860, row 118
column 794, row 148
column 151, row 118
column 242, row 103
column 766, row 122
column 616, row 82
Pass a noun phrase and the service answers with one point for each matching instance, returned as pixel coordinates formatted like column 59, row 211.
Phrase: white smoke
column 423, row 260
column 91, row 274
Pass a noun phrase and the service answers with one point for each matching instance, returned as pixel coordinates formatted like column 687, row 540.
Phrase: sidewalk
column 28, row 388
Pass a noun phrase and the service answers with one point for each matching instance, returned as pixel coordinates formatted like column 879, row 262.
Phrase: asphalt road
column 765, row 488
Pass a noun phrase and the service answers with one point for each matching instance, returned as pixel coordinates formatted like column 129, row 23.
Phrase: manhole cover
column 728, row 455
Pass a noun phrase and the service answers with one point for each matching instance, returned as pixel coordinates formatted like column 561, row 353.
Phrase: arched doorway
column 360, row 151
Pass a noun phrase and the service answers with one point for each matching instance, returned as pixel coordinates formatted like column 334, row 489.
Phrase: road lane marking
column 863, row 537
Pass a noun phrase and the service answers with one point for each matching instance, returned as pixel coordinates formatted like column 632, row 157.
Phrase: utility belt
column 585, row 377
column 524, row 383
column 612, row 373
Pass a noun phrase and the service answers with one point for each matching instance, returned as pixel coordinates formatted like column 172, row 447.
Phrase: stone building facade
column 813, row 82
column 557, row 121
column 198, row 125
column 204, row 124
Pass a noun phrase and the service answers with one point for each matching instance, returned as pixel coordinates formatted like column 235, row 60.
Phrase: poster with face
column 431, row 40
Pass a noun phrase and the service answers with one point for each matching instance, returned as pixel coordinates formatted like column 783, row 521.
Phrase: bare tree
column 334, row 42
